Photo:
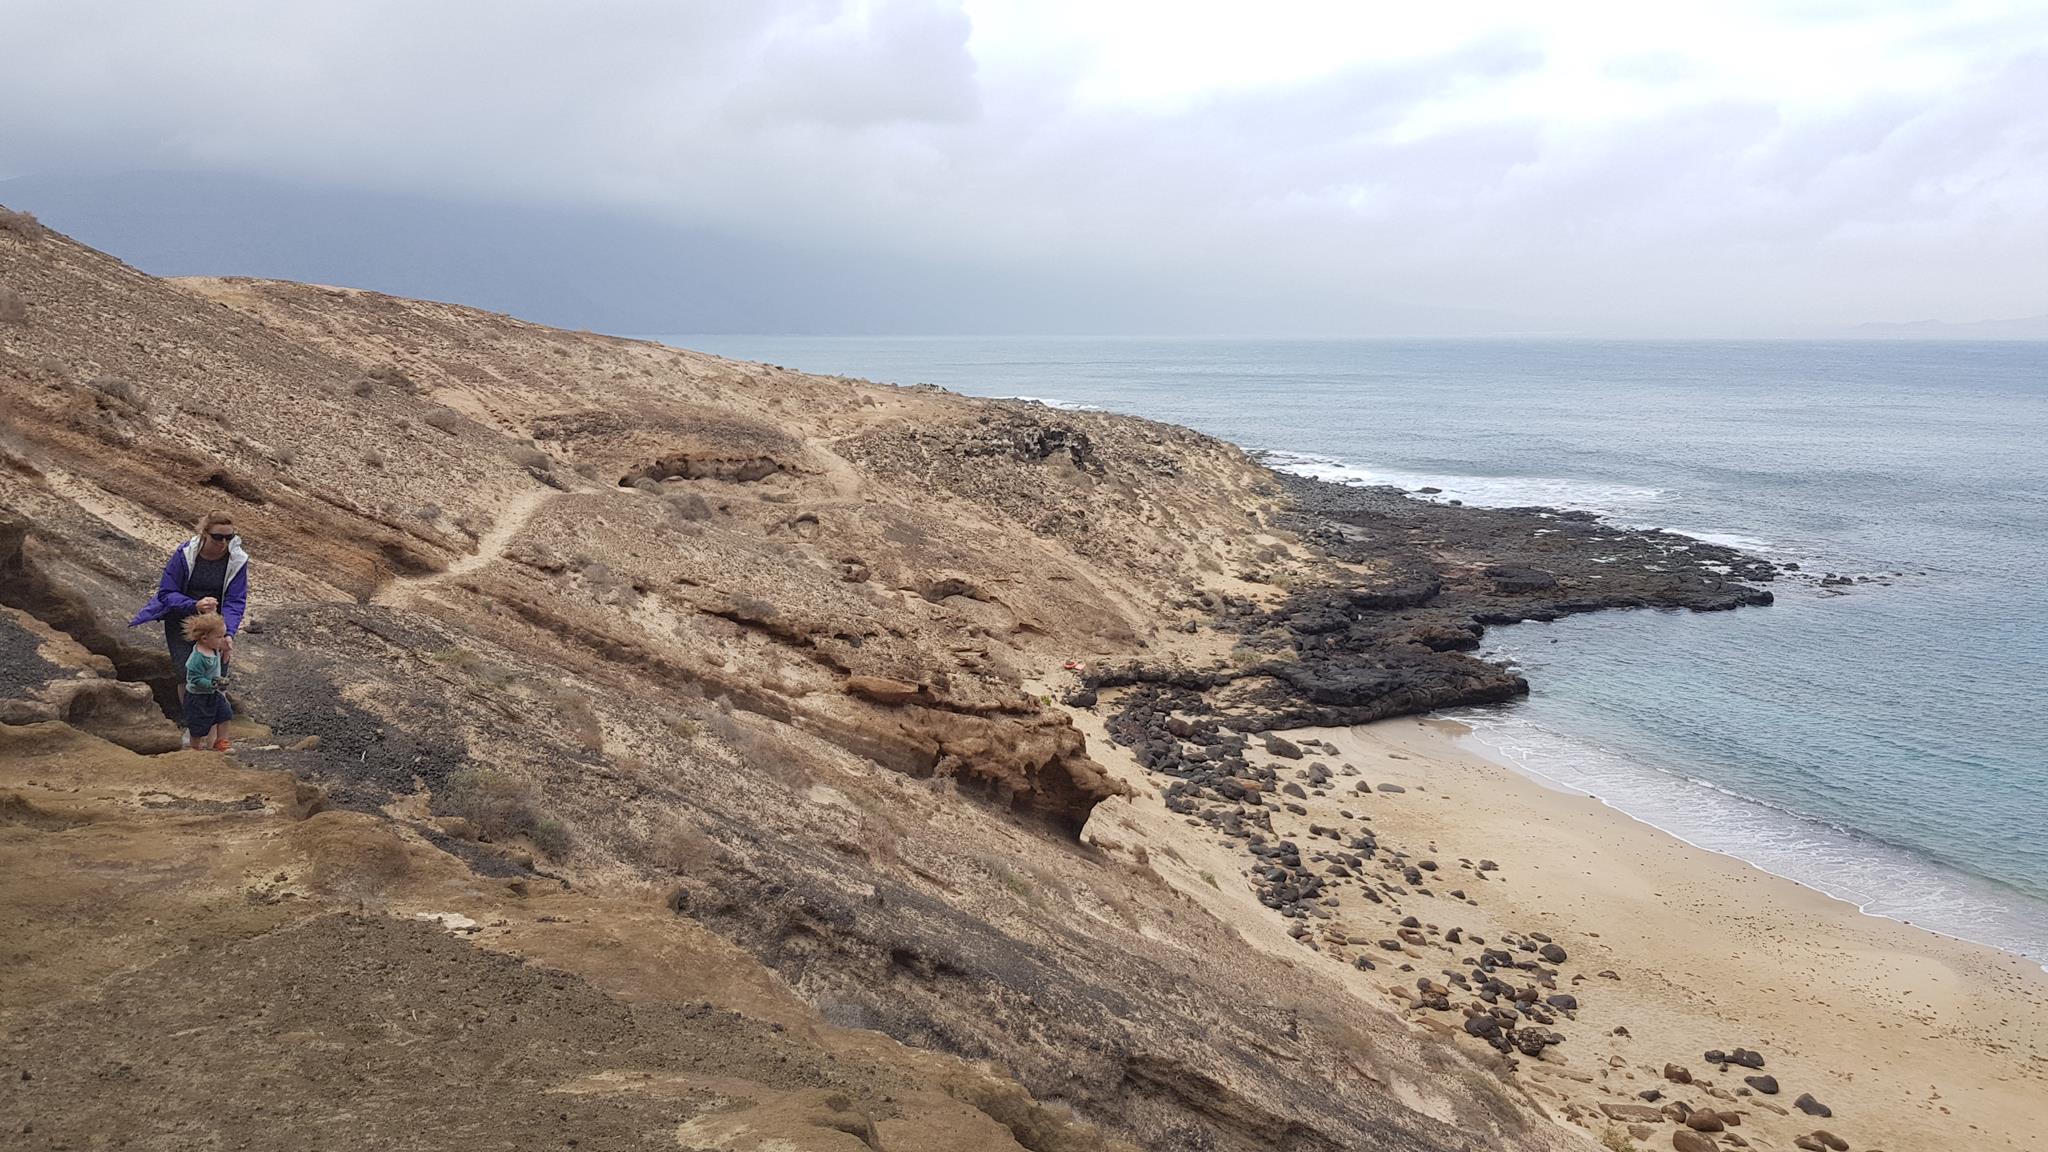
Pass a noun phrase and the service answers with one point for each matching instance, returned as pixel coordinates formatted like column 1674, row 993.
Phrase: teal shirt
column 202, row 668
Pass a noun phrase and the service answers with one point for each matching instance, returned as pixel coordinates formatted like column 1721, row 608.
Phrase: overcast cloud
column 1607, row 167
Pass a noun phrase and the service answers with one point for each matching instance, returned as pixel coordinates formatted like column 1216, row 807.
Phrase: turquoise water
column 1888, row 746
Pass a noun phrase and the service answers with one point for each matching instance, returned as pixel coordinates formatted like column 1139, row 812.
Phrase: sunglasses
column 223, row 537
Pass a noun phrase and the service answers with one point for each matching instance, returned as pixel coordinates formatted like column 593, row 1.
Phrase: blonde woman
column 207, row 574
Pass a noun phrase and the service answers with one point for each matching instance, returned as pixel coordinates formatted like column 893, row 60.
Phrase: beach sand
column 1915, row 1041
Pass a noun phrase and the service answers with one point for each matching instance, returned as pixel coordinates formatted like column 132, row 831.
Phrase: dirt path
column 402, row 591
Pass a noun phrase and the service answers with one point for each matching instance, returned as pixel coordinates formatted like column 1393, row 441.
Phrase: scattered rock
column 1551, row 953
column 1768, row 1085
column 1283, row 748
column 1686, row 1140
column 1677, row 1074
column 1807, row 1104
column 1704, row 1120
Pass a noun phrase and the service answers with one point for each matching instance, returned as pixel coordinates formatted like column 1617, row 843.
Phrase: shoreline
column 1469, row 740
column 1914, row 1039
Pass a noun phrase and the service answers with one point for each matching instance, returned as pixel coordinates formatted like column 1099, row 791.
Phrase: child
column 206, row 707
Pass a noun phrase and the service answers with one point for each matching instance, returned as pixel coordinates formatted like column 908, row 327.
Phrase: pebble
column 1677, row 1074
column 1552, row 953
column 1768, row 1085
column 1686, row 1140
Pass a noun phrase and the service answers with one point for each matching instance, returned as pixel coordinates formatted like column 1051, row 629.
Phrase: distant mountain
column 2018, row 328
column 577, row 267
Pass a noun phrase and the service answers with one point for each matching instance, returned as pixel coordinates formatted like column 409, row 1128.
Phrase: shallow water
column 1889, row 746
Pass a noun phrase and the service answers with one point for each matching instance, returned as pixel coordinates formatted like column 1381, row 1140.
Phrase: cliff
column 699, row 723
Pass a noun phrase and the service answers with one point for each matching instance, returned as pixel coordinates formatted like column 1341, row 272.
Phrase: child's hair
column 205, row 626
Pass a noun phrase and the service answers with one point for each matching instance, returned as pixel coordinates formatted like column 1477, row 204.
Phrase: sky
column 1288, row 165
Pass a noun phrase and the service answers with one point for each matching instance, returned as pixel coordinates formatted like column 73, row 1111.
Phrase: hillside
column 641, row 745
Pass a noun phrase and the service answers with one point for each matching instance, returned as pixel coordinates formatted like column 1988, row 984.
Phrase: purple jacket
column 170, row 601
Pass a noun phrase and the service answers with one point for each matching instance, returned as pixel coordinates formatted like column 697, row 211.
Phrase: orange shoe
column 223, row 746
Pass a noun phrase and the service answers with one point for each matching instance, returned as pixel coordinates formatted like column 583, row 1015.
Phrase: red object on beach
column 1072, row 665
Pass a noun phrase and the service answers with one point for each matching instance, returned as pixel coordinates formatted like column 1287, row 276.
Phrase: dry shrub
column 443, row 419
column 532, row 458
column 689, row 506
column 1615, row 1140
column 21, row 224
column 552, row 837
column 13, row 309
column 373, row 458
column 684, row 849
column 578, row 718
column 116, row 392
column 363, row 387
column 388, row 375
column 499, row 805
column 286, row 457
column 502, row 806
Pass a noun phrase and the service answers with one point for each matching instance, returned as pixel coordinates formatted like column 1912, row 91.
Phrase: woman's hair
column 211, row 520
column 205, row 626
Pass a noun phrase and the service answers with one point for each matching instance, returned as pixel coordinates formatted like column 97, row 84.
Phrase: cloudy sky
column 1616, row 167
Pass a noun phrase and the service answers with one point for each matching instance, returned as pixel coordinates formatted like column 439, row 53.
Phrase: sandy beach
column 1913, row 1041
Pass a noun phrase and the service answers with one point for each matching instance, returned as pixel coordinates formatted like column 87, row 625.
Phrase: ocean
column 1887, row 745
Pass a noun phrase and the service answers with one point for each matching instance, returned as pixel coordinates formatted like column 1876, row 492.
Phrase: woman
column 208, row 573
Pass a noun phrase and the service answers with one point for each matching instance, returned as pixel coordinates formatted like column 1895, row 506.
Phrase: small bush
column 443, row 419
column 533, row 458
column 689, row 506
column 427, row 512
column 579, row 719
column 116, row 390
column 552, row 837
column 21, row 224
column 684, row 849
column 500, row 806
column 388, row 375
column 13, row 309
column 373, row 458
column 363, row 387
column 286, row 457
column 1615, row 1140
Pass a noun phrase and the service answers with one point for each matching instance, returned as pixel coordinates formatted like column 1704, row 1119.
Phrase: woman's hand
column 227, row 646
column 209, row 604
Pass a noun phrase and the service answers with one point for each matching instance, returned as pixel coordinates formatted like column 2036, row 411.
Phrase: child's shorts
column 205, row 709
